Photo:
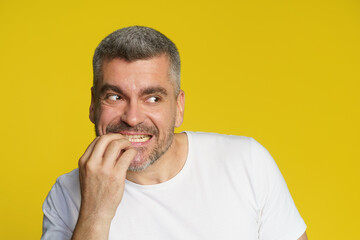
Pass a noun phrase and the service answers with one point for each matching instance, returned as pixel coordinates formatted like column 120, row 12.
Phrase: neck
column 166, row 167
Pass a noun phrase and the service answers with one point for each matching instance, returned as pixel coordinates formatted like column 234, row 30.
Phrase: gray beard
column 154, row 156
column 156, row 153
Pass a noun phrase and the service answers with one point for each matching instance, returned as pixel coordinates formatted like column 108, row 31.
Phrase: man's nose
column 133, row 114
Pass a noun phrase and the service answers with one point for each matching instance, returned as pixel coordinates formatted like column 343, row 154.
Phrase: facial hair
column 161, row 145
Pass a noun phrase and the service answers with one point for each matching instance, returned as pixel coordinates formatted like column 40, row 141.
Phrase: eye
column 113, row 97
column 153, row 99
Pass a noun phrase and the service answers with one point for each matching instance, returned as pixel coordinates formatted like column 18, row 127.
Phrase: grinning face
column 137, row 99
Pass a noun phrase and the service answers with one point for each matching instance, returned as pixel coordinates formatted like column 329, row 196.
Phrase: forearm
column 92, row 228
column 102, row 173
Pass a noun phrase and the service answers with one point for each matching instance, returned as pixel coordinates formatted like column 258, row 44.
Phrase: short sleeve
column 278, row 216
column 61, row 208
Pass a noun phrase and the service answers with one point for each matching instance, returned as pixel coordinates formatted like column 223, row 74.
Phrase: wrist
column 92, row 226
column 95, row 218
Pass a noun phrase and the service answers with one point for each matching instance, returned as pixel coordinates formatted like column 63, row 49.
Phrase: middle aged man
column 139, row 180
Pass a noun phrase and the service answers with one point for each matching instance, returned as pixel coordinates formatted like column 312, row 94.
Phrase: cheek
column 108, row 115
column 163, row 119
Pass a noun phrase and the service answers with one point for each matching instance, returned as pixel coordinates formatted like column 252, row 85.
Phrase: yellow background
column 284, row 72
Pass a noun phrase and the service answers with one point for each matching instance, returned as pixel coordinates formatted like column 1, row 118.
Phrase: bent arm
column 102, row 172
column 101, row 182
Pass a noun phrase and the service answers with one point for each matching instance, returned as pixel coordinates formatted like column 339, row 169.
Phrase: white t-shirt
column 229, row 188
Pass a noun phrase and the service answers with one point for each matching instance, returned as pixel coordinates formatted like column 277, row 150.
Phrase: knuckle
column 102, row 138
column 112, row 144
column 90, row 167
column 106, row 137
column 119, row 141
column 110, row 137
column 81, row 162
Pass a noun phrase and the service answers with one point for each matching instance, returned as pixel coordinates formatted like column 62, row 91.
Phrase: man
column 139, row 180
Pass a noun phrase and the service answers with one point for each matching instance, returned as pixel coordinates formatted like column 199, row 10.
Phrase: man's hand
column 102, row 171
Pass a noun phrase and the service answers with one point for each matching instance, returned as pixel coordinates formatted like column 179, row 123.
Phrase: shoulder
column 69, row 182
column 69, row 178
column 227, row 145
column 65, row 189
column 222, row 150
column 61, row 206
column 220, row 140
column 231, row 151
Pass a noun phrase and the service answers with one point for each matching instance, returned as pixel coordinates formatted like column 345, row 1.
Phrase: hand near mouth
column 102, row 171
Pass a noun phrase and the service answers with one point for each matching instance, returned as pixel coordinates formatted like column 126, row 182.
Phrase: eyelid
column 157, row 99
column 108, row 95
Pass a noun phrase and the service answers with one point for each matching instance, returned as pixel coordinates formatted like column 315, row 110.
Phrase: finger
column 101, row 145
column 114, row 151
column 87, row 152
column 124, row 161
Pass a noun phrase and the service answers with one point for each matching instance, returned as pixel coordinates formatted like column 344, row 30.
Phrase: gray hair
column 137, row 43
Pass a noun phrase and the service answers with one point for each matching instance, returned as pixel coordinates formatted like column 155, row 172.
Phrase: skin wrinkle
column 156, row 153
column 136, row 86
column 143, row 92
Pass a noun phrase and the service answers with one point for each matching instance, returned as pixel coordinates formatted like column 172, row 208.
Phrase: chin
column 139, row 164
column 138, row 167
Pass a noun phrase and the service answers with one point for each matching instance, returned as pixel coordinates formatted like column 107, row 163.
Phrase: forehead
column 136, row 74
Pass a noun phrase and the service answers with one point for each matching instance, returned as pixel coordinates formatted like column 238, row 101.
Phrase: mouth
column 137, row 138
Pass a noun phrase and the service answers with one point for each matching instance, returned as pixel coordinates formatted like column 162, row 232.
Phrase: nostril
column 132, row 117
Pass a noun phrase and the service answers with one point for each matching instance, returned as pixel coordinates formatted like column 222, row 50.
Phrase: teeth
column 137, row 138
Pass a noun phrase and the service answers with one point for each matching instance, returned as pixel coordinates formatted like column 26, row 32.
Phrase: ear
column 180, row 104
column 92, row 106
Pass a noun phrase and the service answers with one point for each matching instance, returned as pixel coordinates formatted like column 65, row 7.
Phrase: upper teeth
column 137, row 138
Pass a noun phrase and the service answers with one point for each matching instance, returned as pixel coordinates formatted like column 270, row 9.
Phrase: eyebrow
column 143, row 92
column 107, row 87
column 153, row 90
